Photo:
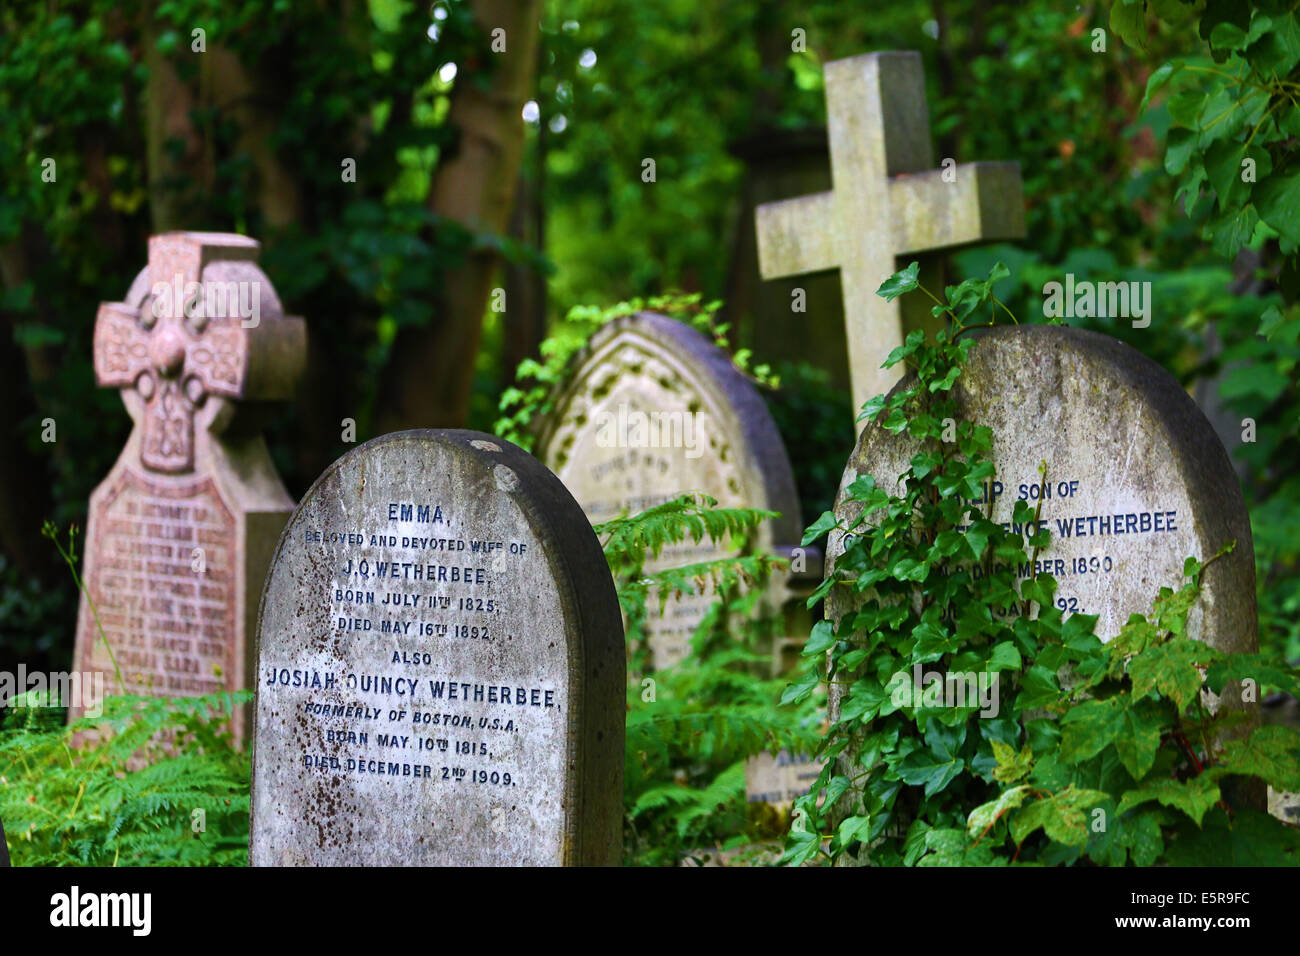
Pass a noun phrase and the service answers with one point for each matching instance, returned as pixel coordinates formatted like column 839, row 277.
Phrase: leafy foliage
column 152, row 782
column 1101, row 753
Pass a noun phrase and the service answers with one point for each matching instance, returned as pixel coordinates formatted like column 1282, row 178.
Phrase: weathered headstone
column 181, row 530
column 887, row 201
column 441, row 675
column 1135, row 481
column 654, row 410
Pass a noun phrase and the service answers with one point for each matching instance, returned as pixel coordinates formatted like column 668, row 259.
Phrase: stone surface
column 441, row 670
column 887, row 202
column 181, row 530
column 1124, row 446
column 654, row 410
column 778, row 779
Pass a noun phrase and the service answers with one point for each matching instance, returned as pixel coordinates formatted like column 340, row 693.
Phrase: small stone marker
column 654, row 410
column 181, row 530
column 1136, row 480
column 887, row 201
column 441, row 676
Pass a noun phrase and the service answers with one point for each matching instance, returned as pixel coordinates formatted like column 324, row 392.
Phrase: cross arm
column 121, row 350
column 796, row 236
column 985, row 202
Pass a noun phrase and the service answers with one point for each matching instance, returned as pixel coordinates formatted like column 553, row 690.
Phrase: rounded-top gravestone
column 440, row 667
column 1136, row 480
column 654, row 410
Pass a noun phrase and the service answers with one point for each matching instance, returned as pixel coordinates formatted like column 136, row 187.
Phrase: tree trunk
column 432, row 367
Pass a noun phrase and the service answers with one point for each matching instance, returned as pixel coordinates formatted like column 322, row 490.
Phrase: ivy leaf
column 871, row 407
column 1271, row 753
column 978, row 535
column 800, row 689
column 1193, row 797
column 803, row 846
column 984, row 816
column 1126, row 22
column 1064, row 817
column 1012, row 766
column 903, row 281
column 820, row 639
column 1138, row 738
column 914, row 845
column 864, row 700
column 1178, row 150
column 1277, row 200
column 1088, row 728
column 1141, row 834
column 853, row 829
column 1005, row 657
column 947, row 847
column 936, row 764
column 1170, row 670
column 819, row 527
column 1038, row 688
column 1156, row 81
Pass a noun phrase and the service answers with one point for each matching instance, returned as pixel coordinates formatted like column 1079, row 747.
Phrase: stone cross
column 181, row 530
column 886, row 202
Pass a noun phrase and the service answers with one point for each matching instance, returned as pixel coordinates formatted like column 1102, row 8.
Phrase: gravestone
column 887, row 201
column 181, row 530
column 4, row 847
column 649, row 368
column 654, row 410
column 441, row 673
column 1135, row 481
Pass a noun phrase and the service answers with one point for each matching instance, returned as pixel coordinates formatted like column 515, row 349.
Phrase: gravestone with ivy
column 441, row 675
column 1118, row 488
column 181, row 530
column 887, row 200
column 1116, row 461
column 653, row 410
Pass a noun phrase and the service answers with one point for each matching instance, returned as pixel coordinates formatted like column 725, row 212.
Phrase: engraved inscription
column 170, row 627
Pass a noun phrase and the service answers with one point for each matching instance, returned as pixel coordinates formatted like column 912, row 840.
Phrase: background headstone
column 441, row 675
column 713, row 435
column 181, row 530
column 1137, row 481
column 888, row 200
column 648, row 365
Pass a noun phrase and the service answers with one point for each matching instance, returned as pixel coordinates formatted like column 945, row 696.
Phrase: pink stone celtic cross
column 185, row 340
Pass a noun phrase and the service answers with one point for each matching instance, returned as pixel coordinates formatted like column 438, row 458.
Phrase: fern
column 122, row 789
